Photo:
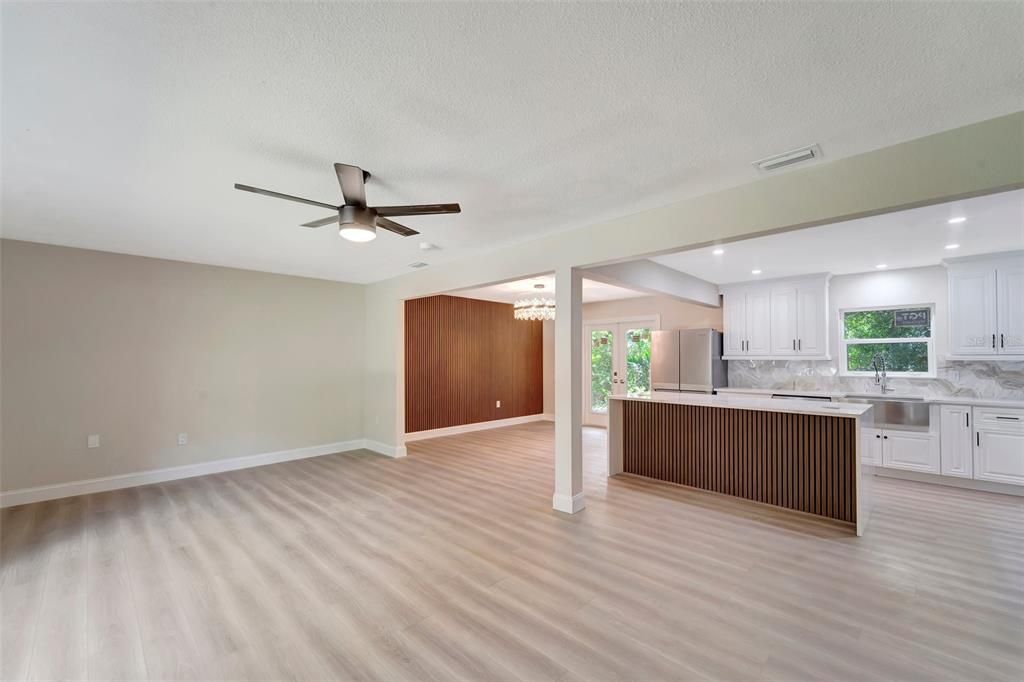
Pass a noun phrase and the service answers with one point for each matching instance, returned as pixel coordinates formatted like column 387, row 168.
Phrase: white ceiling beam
column 655, row 278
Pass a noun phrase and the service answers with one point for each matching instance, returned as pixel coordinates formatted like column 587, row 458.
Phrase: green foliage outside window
column 638, row 365
column 600, row 370
column 638, row 361
column 880, row 324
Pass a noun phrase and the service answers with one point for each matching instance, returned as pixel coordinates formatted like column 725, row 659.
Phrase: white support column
column 568, row 496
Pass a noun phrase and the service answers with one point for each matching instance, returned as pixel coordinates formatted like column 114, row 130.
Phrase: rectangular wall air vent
column 788, row 159
column 418, row 264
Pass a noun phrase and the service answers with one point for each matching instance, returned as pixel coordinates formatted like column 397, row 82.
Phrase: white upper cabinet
column 972, row 311
column 734, row 318
column 783, row 320
column 1010, row 307
column 777, row 319
column 986, row 306
column 812, row 319
column 758, row 322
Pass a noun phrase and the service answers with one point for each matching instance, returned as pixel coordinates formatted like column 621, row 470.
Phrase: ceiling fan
column 358, row 221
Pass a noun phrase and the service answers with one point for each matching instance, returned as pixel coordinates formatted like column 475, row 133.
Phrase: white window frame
column 844, row 342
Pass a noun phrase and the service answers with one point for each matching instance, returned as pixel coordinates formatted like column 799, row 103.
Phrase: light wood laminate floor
column 450, row 564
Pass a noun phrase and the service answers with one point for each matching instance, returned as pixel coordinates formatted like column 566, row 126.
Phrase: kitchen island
column 800, row 455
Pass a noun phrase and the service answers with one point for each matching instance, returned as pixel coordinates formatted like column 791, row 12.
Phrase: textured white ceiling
column 905, row 239
column 125, row 125
column 507, row 292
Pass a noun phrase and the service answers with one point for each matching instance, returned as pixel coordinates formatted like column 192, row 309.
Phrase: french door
column 617, row 361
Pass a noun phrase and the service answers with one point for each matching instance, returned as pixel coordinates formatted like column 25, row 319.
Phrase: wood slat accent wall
column 798, row 461
column 462, row 355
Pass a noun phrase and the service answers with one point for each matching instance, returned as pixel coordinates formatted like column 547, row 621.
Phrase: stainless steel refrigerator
column 688, row 360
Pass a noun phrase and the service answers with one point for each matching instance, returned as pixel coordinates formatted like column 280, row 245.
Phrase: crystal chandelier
column 534, row 308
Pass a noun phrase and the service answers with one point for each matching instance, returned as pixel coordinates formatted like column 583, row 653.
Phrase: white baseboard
column 566, row 504
column 385, row 449
column 952, row 481
column 548, row 417
column 96, row 485
column 478, row 426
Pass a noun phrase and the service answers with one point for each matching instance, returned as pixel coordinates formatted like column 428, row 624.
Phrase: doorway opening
column 617, row 361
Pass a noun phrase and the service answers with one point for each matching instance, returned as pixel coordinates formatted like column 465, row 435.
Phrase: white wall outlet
column 94, row 440
column 182, row 438
column 497, row 403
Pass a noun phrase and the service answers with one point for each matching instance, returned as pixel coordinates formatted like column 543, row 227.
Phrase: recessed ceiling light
column 755, row 272
column 958, row 219
column 718, row 252
column 950, row 247
column 881, row 266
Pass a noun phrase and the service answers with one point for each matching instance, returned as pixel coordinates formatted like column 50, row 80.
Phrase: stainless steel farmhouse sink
column 898, row 411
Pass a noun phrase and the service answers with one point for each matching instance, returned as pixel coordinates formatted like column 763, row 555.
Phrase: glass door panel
column 602, row 361
column 637, row 361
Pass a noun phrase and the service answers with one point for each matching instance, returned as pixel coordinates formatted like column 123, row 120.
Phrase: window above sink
column 901, row 334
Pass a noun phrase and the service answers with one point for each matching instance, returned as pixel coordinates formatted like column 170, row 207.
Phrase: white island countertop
column 751, row 402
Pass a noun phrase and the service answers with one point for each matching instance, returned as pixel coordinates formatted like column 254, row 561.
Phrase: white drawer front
column 999, row 418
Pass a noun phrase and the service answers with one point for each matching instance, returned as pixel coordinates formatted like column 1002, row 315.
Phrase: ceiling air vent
column 788, row 159
column 418, row 264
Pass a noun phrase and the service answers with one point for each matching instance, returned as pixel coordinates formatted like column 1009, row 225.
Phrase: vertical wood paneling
column 798, row 461
column 462, row 355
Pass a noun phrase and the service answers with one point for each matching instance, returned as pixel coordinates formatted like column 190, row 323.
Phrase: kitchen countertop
column 839, row 395
column 746, row 402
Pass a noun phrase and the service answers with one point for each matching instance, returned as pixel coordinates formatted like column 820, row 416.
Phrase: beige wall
column 675, row 314
column 139, row 349
column 974, row 159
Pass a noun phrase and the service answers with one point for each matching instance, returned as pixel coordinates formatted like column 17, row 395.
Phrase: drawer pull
column 1008, row 419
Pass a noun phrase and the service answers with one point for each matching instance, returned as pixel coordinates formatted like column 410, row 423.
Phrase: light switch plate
column 497, row 403
column 182, row 438
column 94, row 440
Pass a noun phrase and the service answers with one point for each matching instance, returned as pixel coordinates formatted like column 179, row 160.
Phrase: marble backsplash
column 977, row 379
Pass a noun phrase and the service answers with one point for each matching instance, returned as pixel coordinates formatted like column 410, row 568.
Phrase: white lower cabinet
column 957, row 441
column 910, row 450
column 871, row 446
column 999, row 445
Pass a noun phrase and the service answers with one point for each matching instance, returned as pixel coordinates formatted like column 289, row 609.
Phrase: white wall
column 913, row 286
column 140, row 349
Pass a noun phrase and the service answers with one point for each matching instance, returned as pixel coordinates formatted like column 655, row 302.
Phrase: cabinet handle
column 799, row 344
column 1008, row 419
column 1002, row 341
column 878, row 435
column 968, row 415
column 794, row 344
column 993, row 340
column 885, row 437
column 977, row 437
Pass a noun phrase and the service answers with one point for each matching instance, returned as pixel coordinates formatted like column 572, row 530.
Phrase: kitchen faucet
column 881, row 378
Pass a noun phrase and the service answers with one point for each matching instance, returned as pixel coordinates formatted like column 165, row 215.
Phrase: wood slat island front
column 803, row 456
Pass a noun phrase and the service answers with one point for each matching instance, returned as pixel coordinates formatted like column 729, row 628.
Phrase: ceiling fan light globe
column 354, row 232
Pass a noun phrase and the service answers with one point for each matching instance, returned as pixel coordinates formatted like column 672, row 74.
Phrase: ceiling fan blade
column 391, row 225
column 353, row 185
column 322, row 221
column 421, row 209
column 289, row 197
